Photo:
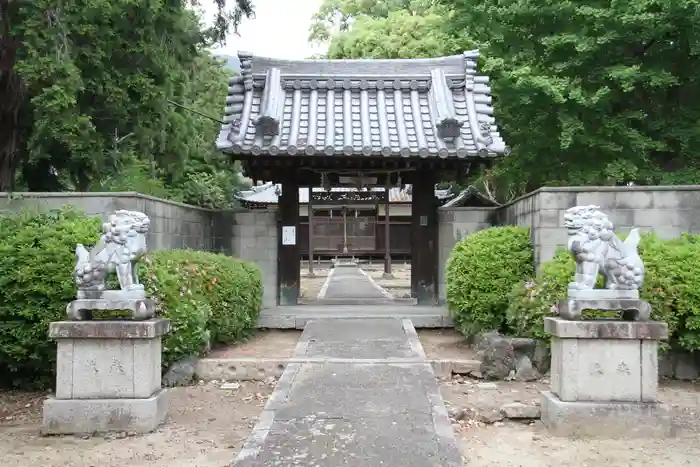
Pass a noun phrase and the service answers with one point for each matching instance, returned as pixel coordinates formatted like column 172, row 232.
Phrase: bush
column 671, row 286
column 205, row 295
column 208, row 298
column 480, row 273
column 36, row 262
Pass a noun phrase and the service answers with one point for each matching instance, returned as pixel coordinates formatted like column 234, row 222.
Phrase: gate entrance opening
column 369, row 125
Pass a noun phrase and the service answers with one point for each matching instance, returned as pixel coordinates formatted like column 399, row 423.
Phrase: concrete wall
column 250, row 235
column 453, row 225
column 667, row 211
column 173, row 225
column 254, row 239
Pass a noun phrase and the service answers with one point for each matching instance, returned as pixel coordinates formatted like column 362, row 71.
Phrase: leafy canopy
column 87, row 91
column 585, row 92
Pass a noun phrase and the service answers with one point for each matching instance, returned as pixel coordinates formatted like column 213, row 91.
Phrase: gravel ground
column 207, row 426
column 487, row 440
column 309, row 287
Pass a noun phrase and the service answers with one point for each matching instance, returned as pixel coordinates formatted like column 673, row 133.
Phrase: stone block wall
column 173, row 225
column 453, row 225
column 667, row 211
column 254, row 239
column 249, row 235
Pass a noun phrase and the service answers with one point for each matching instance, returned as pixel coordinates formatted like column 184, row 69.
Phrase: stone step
column 256, row 369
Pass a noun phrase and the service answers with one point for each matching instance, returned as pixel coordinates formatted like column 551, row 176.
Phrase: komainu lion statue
column 121, row 245
column 597, row 249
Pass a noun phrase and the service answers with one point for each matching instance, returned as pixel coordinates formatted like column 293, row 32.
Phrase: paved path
column 348, row 282
column 350, row 412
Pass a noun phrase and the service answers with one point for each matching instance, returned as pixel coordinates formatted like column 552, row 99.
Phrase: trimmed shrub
column 480, row 274
column 671, row 286
column 208, row 297
column 36, row 264
column 226, row 291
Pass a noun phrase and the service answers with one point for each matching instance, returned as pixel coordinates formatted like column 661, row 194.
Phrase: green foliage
column 480, row 273
column 671, row 286
column 585, row 93
column 36, row 262
column 227, row 290
column 86, row 98
column 590, row 92
column 208, row 297
column 398, row 35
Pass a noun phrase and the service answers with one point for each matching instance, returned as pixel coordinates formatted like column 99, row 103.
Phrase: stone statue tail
column 632, row 242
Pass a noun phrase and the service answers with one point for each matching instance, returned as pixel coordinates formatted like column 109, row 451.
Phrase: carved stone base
column 81, row 309
column 604, row 379
column 606, row 360
column 108, row 377
column 91, row 416
column 135, row 294
column 605, row 419
column 602, row 294
column 630, row 309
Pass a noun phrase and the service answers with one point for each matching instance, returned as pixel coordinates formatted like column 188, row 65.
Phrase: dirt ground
column 399, row 286
column 206, row 427
column 267, row 343
column 311, row 286
column 445, row 344
column 512, row 444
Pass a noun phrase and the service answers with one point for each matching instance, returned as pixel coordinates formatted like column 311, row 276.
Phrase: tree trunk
column 12, row 95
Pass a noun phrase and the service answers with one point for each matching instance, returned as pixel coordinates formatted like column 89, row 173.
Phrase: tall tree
column 82, row 83
column 338, row 16
column 400, row 34
column 591, row 92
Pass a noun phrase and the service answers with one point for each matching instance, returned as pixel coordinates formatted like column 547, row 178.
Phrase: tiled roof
column 420, row 107
column 470, row 197
column 268, row 194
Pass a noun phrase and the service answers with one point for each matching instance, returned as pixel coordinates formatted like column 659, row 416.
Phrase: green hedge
column 205, row 295
column 671, row 285
column 480, row 274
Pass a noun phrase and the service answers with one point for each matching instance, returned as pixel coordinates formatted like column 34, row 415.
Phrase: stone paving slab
column 358, row 391
column 355, row 339
column 314, row 441
column 354, row 330
column 364, row 349
column 350, row 283
column 354, row 413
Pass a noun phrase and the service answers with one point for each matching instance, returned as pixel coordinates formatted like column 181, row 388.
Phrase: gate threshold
column 296, row 317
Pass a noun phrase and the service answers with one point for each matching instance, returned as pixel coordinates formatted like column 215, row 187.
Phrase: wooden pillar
column 387, row 231
column 311, row 230
column 424, row 257
column 345, row 230
column 288, row 258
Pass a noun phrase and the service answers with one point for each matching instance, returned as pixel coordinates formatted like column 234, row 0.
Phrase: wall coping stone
column 20, row 195
column 599, row 189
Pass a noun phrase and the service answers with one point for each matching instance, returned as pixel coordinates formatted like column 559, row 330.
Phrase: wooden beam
column 387, row 231
column 424, row 257
column 310, row 215
column 289, row 273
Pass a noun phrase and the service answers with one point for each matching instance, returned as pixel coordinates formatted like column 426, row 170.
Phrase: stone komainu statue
column 597, row 249
column 121, row 245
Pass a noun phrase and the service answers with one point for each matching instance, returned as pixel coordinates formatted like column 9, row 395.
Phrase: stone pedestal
column 108, row 377
column 604, row 379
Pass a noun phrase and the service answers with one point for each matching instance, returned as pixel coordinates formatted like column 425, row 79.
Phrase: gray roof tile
column 420, row 107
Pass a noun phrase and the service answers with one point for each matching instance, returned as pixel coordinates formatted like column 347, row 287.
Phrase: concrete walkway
column 373, row 402
column 348, row 282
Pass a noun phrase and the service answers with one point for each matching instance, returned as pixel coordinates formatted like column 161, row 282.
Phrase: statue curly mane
column 122, row 243
column 597, row 249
